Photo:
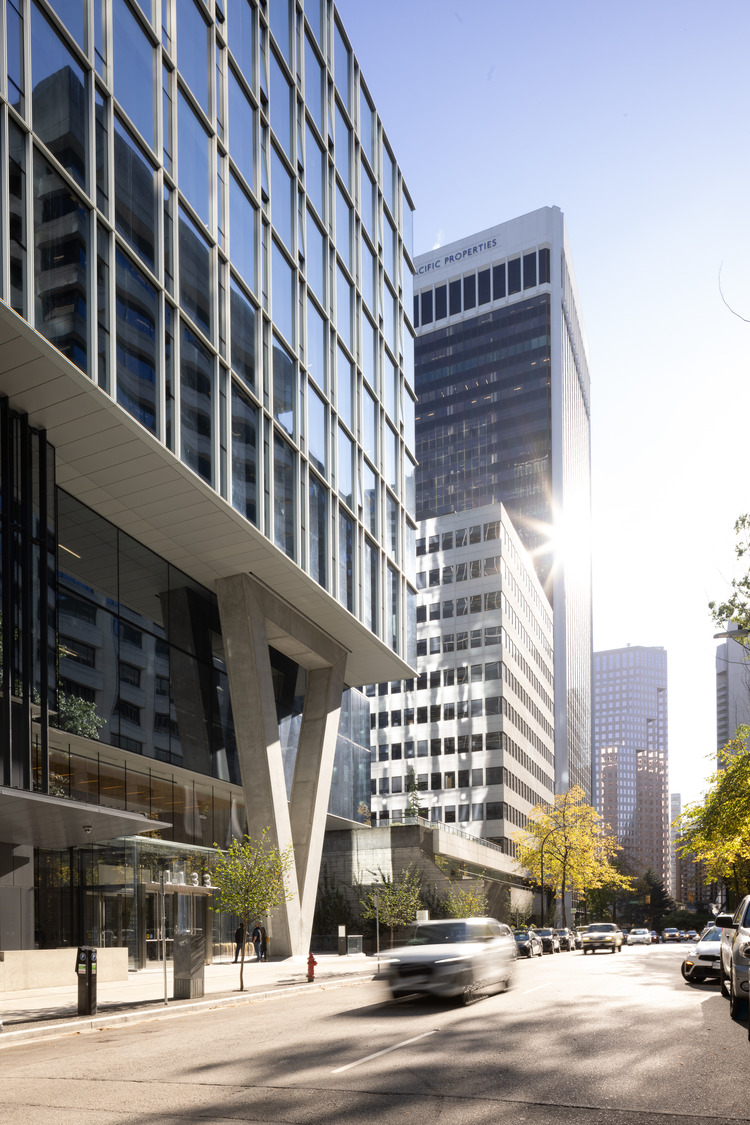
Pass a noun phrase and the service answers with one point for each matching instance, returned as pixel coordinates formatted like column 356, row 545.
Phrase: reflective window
column 314, row 174
column 241, row 36
column 192, row 50
column 391, row 458
column 367, row 127
column 498, row 281
column 390, row 388
column 389, row 251
column 389, row 181
column 529, row 270
column 370, row 352
column 193, row 157
column 408, row 225
column 427, row 306
column 242, row 334
column 136, row 316
column 342, row 60
column 135, row 195
column 393, row 609
column 371, row 587
column 102, row 153
column 370, row 499
column 241, row 129
column 454, row 296
column 196, row 410
column 483, row 281
column 343, row 228
column 316, row 353
column 281, row 106
column 281, row 26
column 369, row 203
column 316, row 259
column 15, row 61
column 134, row 77
column 470, row 292
column 314, row 86
column 282, row 288
column 284, row 474
column 282, row 199
column 284, row 388
column 344, row 399
column 61, row 232
column 195, row 272
column 392, row 526
column 369, row 424
column 390, row 319
column 346, row 561
column 343, row 307
column 318, row 534
column 441, row 302
column 243, row 220
column 343, row 148
column 544, row 267
column 345, row 477
column 58, row 97
column 244, row 455
column 317, row 431
column 17, row 225
column 369, row 274
column 514, row 275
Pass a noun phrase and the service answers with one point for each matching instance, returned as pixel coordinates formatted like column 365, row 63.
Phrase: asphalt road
column 615, row 1038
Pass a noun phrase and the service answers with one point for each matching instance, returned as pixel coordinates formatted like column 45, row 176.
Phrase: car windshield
column 439, row 933
column 521, row 934
column 712, row 935
column 601, row 928
column 544, row 933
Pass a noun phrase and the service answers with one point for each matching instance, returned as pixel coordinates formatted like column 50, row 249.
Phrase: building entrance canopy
column 56, row 822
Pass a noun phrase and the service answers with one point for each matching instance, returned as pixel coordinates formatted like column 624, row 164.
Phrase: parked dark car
column 528, row 943
column 567, row 940
column 550, row 940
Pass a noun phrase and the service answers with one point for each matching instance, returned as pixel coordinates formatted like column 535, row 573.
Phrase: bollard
column 311, row 963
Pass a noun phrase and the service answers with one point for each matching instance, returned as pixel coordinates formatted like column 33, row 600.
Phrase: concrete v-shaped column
column 252, row 618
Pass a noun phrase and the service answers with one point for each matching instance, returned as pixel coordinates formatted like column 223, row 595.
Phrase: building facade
column 207, row 448
column 470, row 741
column 732, row 689
column 503, row 416
column 631, row 754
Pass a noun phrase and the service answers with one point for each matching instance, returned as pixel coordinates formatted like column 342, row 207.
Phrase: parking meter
column 86, row 973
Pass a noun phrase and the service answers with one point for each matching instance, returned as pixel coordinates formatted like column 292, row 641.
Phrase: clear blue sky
column 633, row 119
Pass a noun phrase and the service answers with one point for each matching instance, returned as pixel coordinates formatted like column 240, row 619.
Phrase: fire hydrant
column 311, row 963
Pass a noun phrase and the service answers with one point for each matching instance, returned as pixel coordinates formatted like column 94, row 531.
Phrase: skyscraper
column 503, row 416
column 732, row 689
column 631, row 758
column 207, row 435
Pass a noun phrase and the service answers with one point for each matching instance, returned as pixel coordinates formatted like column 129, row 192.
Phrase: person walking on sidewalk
column 257, row 940
column 263, row 943
column 239, row 941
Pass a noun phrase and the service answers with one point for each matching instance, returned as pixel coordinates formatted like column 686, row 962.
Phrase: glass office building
column 631, row 755
column 503, row 417
column 208, row 454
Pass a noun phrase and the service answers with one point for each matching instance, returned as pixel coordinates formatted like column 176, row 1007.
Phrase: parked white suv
column 735, row 955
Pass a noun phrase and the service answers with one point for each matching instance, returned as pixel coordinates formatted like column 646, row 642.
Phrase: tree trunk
column 242, row 959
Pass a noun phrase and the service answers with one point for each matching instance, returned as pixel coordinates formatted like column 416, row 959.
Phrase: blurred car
column 460, row 957
column 705, row 959
column 654, row 937
column 670, row 934
column 528, row 943
column 639, row 937
column 550, row 940
column 602, row 935
column 567, row 941
column 579, row 940
column 691, row 935
column 735, row 955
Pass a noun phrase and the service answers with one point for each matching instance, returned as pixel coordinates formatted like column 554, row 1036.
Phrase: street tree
column 412, row 788
column 466, row 902
column 736, row 608
column 566, row 846
column 252, row 880
column 399, row 899
column 716, row 829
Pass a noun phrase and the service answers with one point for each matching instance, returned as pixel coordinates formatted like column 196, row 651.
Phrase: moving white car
column 704, row 960
column 458, row 957
column 639, row 937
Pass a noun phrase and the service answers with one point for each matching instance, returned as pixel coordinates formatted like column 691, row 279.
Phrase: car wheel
column 724, row 987
column 736, row 1003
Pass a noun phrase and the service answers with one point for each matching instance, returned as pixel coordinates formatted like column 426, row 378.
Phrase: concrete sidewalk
column 39, row 1013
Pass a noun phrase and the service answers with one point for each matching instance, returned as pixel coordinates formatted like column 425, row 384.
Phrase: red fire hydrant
column 311, row 963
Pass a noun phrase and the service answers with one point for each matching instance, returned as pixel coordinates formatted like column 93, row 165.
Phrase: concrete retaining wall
column 47, row 968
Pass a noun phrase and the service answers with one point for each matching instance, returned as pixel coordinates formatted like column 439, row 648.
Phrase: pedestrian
column 239, row 941
column 257, row 940
column 263, row 943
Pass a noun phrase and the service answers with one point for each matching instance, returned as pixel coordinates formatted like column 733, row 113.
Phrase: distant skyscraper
column 503, row 417
column 675, row 808
column 631, row 763
column 732, row 689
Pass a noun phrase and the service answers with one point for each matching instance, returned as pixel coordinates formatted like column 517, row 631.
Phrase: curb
column 143, row 1015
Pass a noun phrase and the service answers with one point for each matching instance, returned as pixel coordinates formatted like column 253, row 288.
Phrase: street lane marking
column 528, row 990
column 395, row 1047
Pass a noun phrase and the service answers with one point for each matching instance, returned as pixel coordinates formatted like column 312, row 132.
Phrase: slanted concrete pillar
column 252, row 618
